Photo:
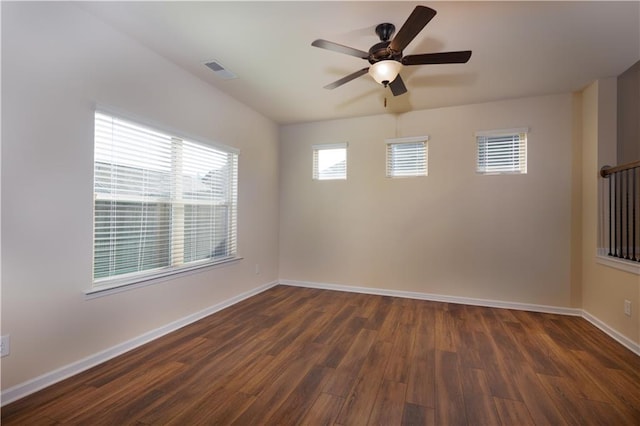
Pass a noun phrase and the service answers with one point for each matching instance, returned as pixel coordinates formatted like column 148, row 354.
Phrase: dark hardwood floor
column 316, row 357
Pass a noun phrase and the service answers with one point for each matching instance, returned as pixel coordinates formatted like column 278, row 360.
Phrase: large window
column 407, row 157
column 330, row 161
column 502, row 151
column 161, row 203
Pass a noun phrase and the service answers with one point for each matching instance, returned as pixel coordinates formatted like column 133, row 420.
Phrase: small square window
column 330, row 161
column 502, row 152
column 407, row 157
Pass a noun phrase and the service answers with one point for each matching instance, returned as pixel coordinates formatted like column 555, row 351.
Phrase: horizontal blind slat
column 160, row 202
column 406, row 159
column 501, row 153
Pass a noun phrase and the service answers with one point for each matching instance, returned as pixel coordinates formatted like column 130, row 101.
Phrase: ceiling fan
column 386, row 57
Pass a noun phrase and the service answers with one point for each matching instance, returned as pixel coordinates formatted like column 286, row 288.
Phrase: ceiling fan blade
column 347, row 79
column 420, row 17
column 397, row 86
column 329, row 45
column 460, row 57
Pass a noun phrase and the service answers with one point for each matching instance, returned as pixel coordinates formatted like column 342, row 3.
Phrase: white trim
column 338, row 145
column 624, row 341
column 408, row 139
column 142, row 280
column 615, row 335
column 438, row 298
column 502, row 132
column 615, row 262
column 19, row 391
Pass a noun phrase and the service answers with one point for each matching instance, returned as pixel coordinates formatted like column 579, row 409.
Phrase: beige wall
column 454, row 233
column 604, row 289
column 57, row 62
column 629, row 115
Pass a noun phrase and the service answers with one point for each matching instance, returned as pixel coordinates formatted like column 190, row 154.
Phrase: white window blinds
column 330, row 161
column 502, row 151
column 161, row 203
column 407, row 157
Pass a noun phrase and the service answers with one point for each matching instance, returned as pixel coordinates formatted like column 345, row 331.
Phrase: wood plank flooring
column 298, row 356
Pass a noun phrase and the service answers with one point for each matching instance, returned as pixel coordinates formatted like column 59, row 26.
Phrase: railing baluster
column 626, row 213
column 611, row 228
column 616, row 185
column 624, row 210
column 633, row 214
column 620, row 180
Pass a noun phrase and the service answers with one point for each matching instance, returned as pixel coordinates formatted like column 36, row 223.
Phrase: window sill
column 139, row 282
column 614, row 262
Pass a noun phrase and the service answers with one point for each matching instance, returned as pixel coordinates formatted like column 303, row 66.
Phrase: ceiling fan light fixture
column 384, row 72
column 386, row 57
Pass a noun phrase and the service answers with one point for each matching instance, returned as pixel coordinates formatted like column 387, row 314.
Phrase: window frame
column 389, row 143
column 486, row 135
column 118, row 282
column 317, row 148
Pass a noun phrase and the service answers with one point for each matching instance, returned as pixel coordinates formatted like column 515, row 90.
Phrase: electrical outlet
column 4, row 345
column 627, row 307
column 257, row 269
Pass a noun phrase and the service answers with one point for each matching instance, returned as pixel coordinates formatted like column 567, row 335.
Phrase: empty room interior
column 316, row 213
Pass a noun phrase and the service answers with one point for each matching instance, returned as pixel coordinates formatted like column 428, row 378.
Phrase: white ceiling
column 519, row 49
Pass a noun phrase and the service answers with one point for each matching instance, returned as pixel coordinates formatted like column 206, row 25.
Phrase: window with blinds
column 330, row 161
column 502, row 151
column 161, row 203
column 407, row 157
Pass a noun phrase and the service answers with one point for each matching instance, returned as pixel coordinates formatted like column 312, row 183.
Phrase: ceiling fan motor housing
column 385, row 31
column 381, row 51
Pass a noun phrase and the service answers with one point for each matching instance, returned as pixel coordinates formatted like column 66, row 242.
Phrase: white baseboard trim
column 438, row 298
column 624, row 341
column 19, row 391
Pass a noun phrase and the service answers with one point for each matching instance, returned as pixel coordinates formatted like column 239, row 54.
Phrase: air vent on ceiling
column 220, row 70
